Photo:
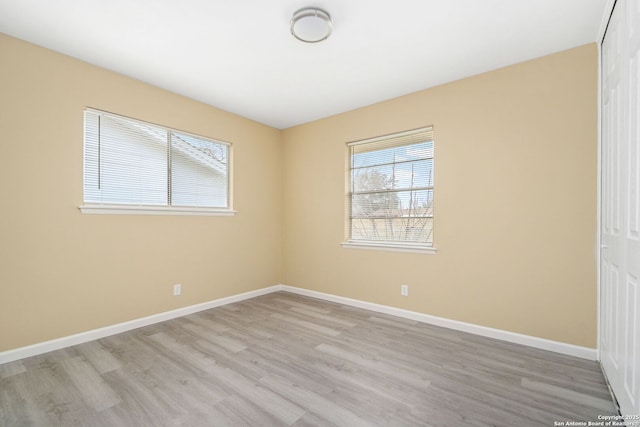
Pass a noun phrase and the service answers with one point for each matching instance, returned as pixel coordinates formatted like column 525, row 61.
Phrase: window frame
column 143, row 209
column 386, row 245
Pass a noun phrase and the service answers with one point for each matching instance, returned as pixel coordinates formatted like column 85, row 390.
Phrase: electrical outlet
column 404, row 290
column 177, row 289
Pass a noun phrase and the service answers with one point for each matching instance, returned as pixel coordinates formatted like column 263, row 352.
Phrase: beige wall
column 62, row 272
column 515, row 204
column 515, row 201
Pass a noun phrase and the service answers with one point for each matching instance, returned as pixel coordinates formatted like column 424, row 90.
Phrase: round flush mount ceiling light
column 311, row 25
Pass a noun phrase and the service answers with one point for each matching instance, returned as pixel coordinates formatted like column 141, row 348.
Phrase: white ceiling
column 238, row 55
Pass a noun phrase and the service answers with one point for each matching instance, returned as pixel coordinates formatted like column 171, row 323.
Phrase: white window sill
column 381, row 246
column 153, row 210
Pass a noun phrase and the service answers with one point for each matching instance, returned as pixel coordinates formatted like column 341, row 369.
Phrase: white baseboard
column 512, row 337
column 56, row 344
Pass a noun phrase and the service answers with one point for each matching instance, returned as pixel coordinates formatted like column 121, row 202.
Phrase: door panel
column 620, row 221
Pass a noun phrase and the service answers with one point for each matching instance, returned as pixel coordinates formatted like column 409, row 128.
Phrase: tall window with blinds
column 130, row 162
column 390, row 197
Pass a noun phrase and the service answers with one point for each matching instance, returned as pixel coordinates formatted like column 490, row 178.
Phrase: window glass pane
column 418, row 151
column 392, row 204
column 406, row 175
column 391, row 188
column 199, row 172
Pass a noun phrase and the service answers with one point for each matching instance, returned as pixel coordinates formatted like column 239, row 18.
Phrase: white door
column 620, row 233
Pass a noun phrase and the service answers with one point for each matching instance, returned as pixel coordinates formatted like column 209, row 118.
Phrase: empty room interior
column 329, row 213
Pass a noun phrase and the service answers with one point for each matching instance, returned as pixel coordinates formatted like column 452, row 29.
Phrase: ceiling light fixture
column 311, row 25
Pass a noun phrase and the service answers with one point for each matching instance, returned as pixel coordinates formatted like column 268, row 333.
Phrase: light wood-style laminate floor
column 288, row 360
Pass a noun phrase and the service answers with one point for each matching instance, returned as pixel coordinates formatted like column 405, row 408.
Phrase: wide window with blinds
column 130, row 164
column 390, row 191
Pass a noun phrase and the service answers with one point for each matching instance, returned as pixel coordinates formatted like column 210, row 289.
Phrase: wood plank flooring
column 288, row 360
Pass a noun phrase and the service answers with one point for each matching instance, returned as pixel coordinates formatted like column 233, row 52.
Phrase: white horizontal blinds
column 92, row 191
column 391, row 188
column 129, row 165
column 199, row 172
column 133, row 162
